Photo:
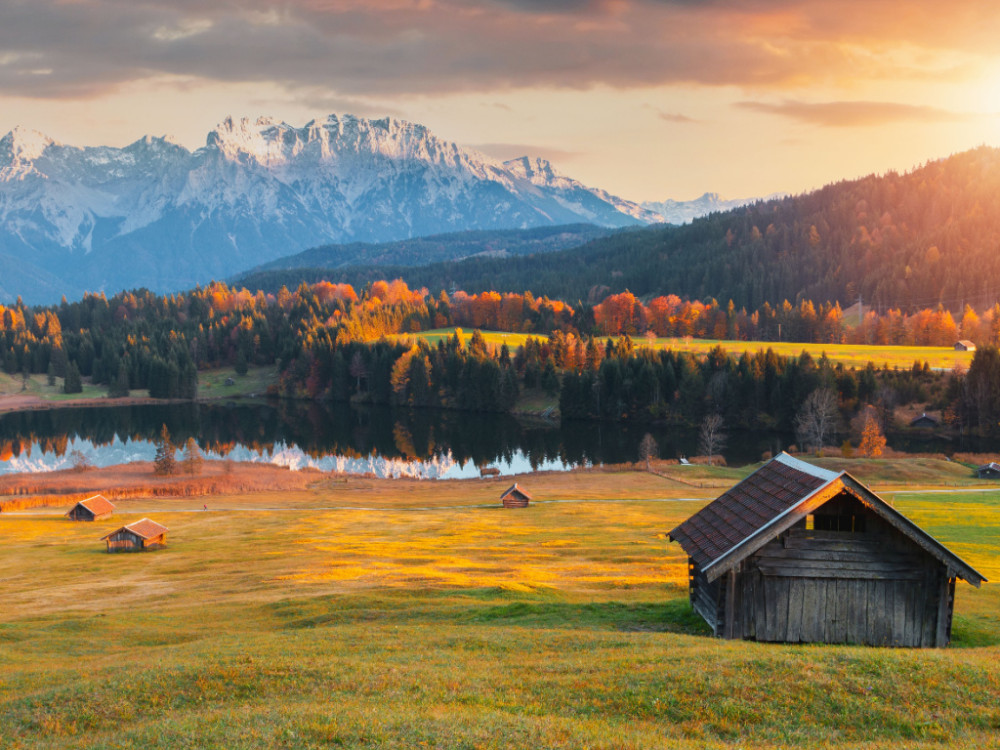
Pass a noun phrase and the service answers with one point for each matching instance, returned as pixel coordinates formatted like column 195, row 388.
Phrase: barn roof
column 992, row 466
column 775, row 497
column 515, row 488
column 98, row 505
column 145, row 529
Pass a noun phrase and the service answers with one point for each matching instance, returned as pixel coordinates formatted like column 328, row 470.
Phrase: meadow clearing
column 851, row 355
column 403, row 614
column 18, row 393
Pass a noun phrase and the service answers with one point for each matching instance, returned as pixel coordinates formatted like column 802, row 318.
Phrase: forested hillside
column 898, row 241
column 499, row 243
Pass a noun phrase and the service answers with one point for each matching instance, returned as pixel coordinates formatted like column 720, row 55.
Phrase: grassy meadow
column 851, row 355
column 405, row 614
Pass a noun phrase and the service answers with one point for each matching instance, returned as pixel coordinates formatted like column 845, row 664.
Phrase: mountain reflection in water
column 424, row 443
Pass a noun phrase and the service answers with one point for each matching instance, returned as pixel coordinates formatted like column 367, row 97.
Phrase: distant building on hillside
column 925, row 420
column 136, row 537
column 94, row 508
column 989, row 471
column 964, row 346
column 798, row 554
column 515, row 497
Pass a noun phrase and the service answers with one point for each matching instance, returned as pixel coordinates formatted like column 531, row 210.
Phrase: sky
column 648, row 99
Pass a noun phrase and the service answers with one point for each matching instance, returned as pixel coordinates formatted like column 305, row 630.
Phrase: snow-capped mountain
column 682, row 212
column 155, row 214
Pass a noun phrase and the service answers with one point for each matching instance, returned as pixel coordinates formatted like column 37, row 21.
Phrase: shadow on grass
column 672, row 616
column 495, row 606
column 967, row 632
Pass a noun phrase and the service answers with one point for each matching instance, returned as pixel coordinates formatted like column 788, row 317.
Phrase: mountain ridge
column 899, row 241
column 156, row 214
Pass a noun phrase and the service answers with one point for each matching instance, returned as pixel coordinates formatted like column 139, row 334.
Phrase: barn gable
column 92, row 509
column 140, row 535
column 792, row 536
column 515, row 497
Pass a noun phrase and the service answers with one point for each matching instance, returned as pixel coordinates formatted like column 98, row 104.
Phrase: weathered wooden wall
column 514, row 500
column 872, row 586
column 124, row 541
column 705, row 597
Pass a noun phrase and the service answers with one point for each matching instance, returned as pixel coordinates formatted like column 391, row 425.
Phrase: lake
column 385, row 442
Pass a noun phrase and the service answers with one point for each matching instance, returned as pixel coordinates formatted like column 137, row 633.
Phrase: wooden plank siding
column 796, row 553
column 831, row 587
column 706, row 599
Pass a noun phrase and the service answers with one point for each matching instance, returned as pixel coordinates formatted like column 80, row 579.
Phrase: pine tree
column 193, row 459
column 119, row 386
column 73, row 383
column 872, row 439
column 165, row 462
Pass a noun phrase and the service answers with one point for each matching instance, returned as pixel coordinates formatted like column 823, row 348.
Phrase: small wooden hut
column 924, row 421
column 94, row 508
column 964, row 345
column 796, row 553
column 989, row 471
column 515, row 497
column 136, row 537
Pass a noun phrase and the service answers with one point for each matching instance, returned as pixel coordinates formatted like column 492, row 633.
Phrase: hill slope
column 502, row 243
column 898, row 240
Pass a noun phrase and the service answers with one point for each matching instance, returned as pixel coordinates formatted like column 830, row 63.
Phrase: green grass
column 12, row 385
column 565, row 625
column 212, row 383
column 850, row 355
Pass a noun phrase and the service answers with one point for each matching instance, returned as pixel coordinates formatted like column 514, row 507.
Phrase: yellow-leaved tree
column 872, row 439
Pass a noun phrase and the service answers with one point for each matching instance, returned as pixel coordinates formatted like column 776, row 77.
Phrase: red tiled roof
column 145, row 529
column 742, row 511
column 516, row 488
column 98, row 505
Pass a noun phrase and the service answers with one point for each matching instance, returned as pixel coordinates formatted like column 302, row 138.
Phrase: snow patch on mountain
column 683, row 212
column 158, row 215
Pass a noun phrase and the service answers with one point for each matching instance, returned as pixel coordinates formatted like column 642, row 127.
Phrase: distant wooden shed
column 93, row 508
column 964, row 345
column 515, row 497
column 136, row 537
column 796, row 553
column 989, row 471
column 925, row 421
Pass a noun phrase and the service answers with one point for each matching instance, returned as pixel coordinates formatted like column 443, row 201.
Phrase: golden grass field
column 361, row 613
column 851, row 355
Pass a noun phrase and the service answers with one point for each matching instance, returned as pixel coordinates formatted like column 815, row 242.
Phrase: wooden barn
column 964, row 345
column 93, row 508
column 515, row 497
column 795, row 553
column 988, row 471
column 136, row 537
column 925, row 421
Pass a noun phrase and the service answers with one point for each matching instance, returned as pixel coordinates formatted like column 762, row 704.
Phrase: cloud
column 507, row 151
column 854, row 114
column 381, row 48
column 677, row 117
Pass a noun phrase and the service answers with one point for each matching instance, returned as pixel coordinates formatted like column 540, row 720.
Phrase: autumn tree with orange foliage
column 872, row 439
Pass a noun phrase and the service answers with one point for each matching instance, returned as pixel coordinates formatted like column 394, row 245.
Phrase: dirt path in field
column 363, row 508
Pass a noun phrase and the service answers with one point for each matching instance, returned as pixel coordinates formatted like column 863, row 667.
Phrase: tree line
column 331, row 343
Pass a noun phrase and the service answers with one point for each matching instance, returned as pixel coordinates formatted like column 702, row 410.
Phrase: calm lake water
column 429, row 444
